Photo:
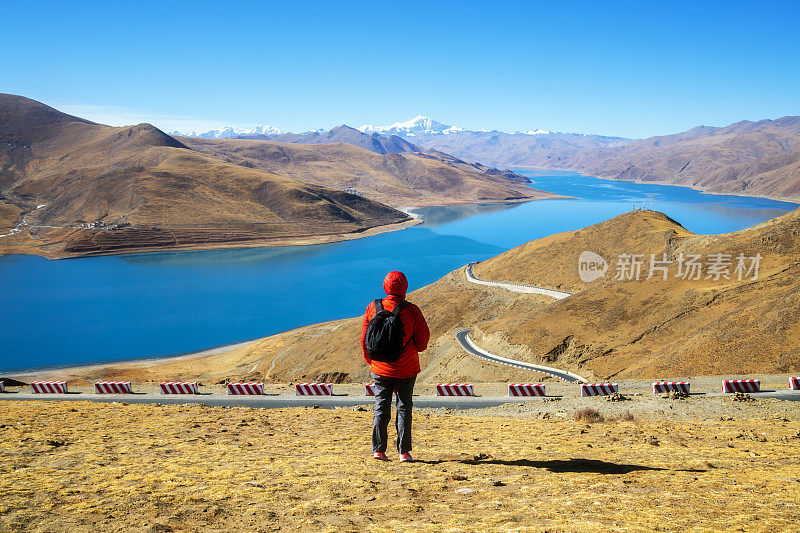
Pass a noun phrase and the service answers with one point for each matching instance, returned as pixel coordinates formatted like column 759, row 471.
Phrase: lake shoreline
column 310, row 240
column 104, row 323
column 789, row 199
column 142, row 362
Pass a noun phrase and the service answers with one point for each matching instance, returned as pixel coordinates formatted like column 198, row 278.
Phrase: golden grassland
column 85, row 466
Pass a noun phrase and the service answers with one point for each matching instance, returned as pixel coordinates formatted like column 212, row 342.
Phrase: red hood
column 395, row 283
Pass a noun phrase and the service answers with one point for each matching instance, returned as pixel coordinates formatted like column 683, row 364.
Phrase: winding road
column 462, row 335
column 516, row 287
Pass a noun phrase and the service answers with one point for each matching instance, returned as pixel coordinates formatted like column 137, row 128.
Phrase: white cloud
column 120, row 116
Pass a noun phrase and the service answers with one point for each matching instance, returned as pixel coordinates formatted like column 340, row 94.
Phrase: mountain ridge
column 69, row 186
column 759, row 158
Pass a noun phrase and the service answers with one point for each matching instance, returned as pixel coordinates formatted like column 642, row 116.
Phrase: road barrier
column 246, row 388
column 741, row 385
column 113, row 387
column 526, row 389
column 49, row 387
column 455, row 389
column 598, row 389
column 314, row 389
column 671, row 386
column 179, row 387
column 794, row 383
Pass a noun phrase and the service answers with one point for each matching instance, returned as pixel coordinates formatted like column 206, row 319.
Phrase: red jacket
column 416, row 330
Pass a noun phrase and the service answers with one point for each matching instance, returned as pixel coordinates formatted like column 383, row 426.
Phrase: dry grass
column 589, row 415
column 83, row 466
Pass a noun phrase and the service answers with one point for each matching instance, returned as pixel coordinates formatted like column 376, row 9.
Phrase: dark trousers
column 384, row 389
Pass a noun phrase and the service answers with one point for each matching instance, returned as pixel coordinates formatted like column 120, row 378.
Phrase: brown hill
column 151, row 189
column 69, row 187
column 754, row 158
column 394, row 179
column 608, row 329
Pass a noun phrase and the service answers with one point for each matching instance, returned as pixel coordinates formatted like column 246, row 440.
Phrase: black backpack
column 384, row 338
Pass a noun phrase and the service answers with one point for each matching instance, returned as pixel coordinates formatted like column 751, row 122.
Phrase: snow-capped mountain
column 416, row 126
column 534, row 132
column 422, row 125
column 230, row 132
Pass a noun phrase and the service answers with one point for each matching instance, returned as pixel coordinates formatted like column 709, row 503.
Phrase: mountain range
column 69, row 186
column 760, row 158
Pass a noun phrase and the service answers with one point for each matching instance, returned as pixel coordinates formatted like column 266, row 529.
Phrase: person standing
column 393, row 333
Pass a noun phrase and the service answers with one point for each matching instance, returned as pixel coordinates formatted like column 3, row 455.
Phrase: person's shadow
column 576, row 465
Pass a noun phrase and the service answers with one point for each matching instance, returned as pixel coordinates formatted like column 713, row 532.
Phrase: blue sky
column 632, row 69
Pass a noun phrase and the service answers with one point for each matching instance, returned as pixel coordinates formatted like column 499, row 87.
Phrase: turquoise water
column 134, row 306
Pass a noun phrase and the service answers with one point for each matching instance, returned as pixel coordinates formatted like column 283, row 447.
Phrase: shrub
column 627, row 416
column 588, row 414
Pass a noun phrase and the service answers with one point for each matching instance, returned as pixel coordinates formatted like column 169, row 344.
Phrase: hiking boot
column 380, row 456
column 405, row 458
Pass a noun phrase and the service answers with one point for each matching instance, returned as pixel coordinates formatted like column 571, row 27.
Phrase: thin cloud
column 121, row 116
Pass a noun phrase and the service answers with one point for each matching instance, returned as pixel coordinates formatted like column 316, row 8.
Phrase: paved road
column 516, row 287
column 462, row 336
column 790, row 395
column 323, row 402
column 274, row 401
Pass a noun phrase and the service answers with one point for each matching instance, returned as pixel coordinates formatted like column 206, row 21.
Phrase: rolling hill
column 610, row 328
column 394, row 179
column 755, row 158
column 71, row 187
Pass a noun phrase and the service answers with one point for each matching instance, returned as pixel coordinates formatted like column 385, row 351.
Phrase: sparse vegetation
column 589, row 415
column 82, row 466
column 627, row 416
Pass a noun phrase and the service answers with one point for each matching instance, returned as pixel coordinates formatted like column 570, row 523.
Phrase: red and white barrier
column 526, row 389
column 454, row 389
column 314, row 389
column 49, row 387
column 671, row 386
column 246, row 388
column 794, row 383
column 113, row 387
column 598, row 389
column 179, row 387
column 741, row 385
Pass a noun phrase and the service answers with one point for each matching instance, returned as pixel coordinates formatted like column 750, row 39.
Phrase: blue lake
column 135, row 306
